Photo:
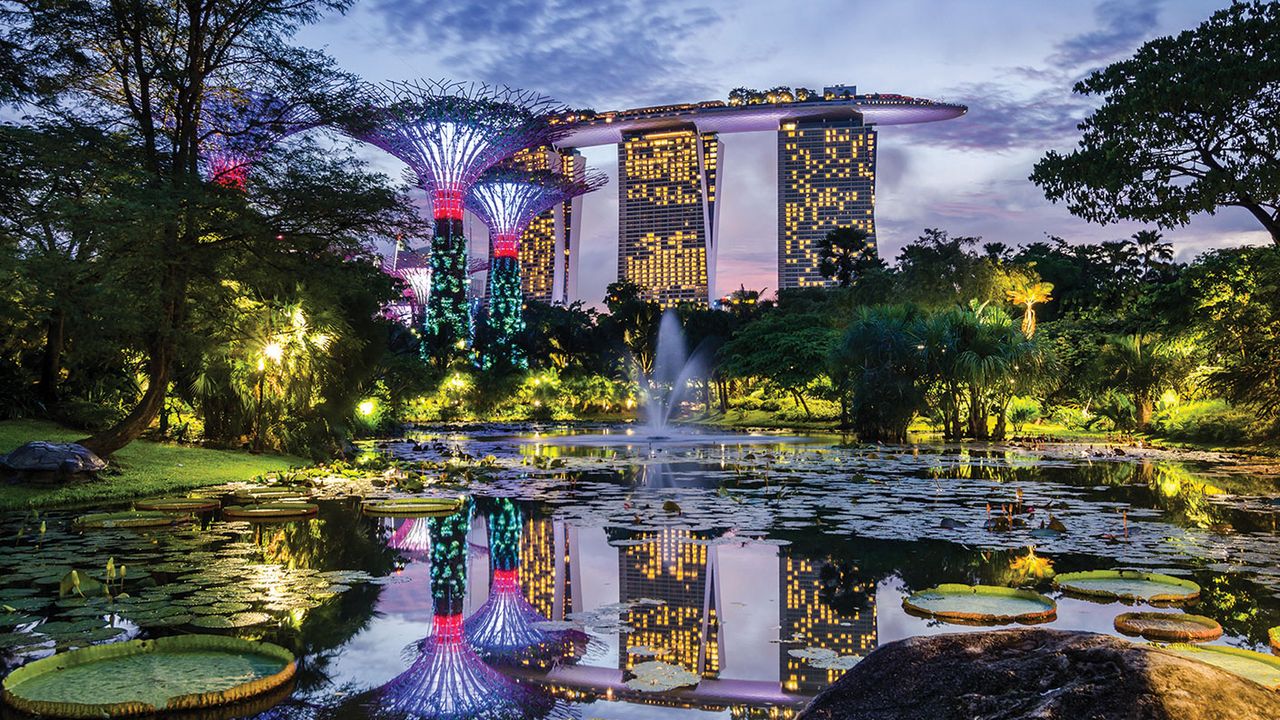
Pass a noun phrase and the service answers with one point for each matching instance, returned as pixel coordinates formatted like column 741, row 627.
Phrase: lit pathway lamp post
column 507, row 200
column 449, row 134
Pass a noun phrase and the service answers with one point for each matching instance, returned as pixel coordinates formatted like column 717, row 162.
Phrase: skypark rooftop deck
column 721, row 117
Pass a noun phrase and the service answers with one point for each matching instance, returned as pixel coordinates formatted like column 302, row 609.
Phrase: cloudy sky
column 1013, row 62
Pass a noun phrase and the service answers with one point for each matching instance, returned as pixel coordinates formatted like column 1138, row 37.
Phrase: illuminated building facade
column 549, row 271
column 669, row 565
column 667, row 219
column 826, row 180
column 805, row 613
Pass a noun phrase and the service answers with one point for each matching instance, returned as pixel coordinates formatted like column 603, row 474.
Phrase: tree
column 1151, row 252
column 880, row 363
column 1187, row 125
column 146, row 68
column 1028, row 293
column 844, row 254
column 788, row 350
column 1144, row 365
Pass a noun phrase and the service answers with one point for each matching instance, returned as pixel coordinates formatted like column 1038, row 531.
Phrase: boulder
column 51, row 461
column 1036, row 673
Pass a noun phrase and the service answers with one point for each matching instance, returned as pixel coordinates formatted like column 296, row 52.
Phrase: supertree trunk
column 506, row 312
column 448, row 320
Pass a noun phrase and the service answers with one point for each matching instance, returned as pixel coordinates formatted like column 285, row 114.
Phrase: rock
column 51, row 461
column 1034, row 673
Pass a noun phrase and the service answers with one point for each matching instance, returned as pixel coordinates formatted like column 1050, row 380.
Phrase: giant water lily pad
column 178, row 505
column 1169, row 627
column 1255, row 666
column 1133, row 585
column 125, row 519
column 271, row 511
column 142, row 677
column 411, row 507
column 981, row 604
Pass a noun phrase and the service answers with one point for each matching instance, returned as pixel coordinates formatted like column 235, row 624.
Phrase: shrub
column 1023, row 410
column 1213, row 421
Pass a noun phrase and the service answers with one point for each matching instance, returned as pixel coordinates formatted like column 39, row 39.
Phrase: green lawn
column 145, row 469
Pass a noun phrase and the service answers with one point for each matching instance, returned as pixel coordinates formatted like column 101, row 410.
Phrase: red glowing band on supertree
column 238, row 126
column 449, row 133
column 508, row 199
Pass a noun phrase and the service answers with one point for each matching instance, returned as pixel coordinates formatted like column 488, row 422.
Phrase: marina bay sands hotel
column 670, row 167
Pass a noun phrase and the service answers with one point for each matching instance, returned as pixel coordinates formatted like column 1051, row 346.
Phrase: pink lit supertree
column 507, row 199
column 449, row 134
column 414, row 268
column 238, row 126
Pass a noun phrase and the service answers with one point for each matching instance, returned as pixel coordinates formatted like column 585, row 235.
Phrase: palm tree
column 844, row 254
column 1152, row 253
column 1144, row 365
column 1028, row 294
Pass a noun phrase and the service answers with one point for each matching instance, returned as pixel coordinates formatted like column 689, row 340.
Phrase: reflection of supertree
column 412, row 538
column 507, row 199
column 238, row 126
column 448, row 680
column 449, row 134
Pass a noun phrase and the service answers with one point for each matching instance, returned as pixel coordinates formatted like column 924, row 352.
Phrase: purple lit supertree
column 448, row 680
column 414, row 268
column 238, row 126
column 412, row 537
column 507, row 199
column 449, row 134
column 506, row 625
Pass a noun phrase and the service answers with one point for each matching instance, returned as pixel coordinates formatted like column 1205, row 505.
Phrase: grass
column 141, row 469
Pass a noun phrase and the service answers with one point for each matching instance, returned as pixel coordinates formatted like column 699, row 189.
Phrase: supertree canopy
column 449, row 134
column 448, row 680
column 238, row 126
column 507, row 199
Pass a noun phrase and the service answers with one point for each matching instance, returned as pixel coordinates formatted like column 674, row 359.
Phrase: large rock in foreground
column 1042, row 674
column 46, row 461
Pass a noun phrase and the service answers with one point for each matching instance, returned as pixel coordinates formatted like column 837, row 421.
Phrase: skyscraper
column 545, row 257
column 826, row 180
column 667, row 220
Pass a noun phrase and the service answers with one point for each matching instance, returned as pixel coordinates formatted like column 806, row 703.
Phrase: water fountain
column 663, row 391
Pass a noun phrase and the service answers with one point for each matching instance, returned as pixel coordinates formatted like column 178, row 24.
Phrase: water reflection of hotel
column 730, row 648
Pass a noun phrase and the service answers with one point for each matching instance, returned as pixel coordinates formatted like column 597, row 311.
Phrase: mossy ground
column 141, row 469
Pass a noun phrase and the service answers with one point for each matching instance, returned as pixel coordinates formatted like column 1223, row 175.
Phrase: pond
column 705, row 578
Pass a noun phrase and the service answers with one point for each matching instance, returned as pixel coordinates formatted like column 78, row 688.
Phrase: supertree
column 412, row 537
column 448, row 680
column 507, row 199
column 507, row 625
column 238, row 126
column 449, row 134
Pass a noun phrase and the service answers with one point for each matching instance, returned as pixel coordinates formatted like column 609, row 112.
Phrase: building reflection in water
column 701, row 598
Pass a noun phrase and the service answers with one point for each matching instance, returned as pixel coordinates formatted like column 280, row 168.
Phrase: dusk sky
column 1012, row 62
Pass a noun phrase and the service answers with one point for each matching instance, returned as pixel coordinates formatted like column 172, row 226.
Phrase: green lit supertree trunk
column 447, row 325
column 506, row 311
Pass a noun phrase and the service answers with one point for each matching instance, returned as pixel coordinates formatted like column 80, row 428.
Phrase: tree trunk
column 51, row 364
column 1145, row 408
column 140, row 418
column 803, row 404
column 161, row 350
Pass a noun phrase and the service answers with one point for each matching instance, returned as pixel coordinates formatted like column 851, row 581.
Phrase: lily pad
column 142, row 677
column 124, row 519
column 1133, row 585
column 981, row 604
column 1169, row 627
column 1255, row 666
column 411, row 507
column 178, row 505
column 657, row 676
column 271, row 511
column 227, row 622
